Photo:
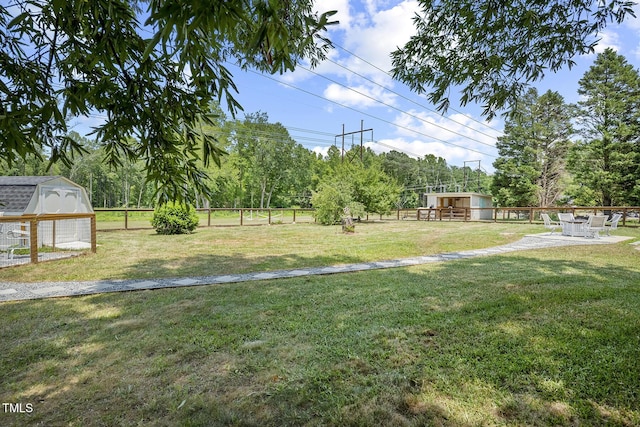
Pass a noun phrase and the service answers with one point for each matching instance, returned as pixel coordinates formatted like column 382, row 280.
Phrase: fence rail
column 111, row 219
column 32, row 238
column 45, row 236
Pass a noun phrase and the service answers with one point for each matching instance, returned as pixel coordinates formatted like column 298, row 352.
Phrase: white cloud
column 447, row 128
column 418, row 148
column 359, row 95
column 343, row 15
column 608, row 39
column 371, row 30
column 375, row 35
column 324, row 151
column 455, row 155
column 456, row 138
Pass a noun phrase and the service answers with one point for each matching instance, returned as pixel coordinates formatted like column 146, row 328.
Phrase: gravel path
column 13, row 291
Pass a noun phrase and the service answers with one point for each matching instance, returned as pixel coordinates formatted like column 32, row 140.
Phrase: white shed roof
column 19, row 194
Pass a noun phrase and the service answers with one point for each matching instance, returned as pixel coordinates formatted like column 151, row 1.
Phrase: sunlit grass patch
column 144, row 254
column 544, row 337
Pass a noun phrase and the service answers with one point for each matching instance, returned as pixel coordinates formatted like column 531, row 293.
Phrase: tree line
column 261, row 166
column 551, row 153
column 152, row 69
column 587, row 154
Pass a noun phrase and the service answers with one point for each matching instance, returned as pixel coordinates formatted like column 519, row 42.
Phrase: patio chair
column 565, row 217
column 549, row 224
column 594, row 225
column 565, row 222
column 613, row 223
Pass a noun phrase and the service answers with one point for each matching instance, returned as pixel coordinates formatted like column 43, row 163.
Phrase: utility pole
column 361, row 132
column 465, row 173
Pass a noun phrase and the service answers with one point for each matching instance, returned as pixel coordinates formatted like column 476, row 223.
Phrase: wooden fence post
column 33, row 240
column 93, row 233
column 53, row 234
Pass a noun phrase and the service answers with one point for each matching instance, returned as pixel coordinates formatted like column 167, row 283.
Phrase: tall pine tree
column 607, row 160
column 531, row 166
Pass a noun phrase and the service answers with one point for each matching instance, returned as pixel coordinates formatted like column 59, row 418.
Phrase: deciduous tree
column 361, row 186
column 151, row 68
column 492, row 49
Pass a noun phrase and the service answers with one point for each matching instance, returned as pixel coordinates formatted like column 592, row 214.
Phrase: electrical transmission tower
column 361, row 132
column 466, row 177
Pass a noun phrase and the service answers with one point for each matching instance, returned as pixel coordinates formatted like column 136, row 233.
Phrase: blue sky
column 320, row 103
column 352, row 89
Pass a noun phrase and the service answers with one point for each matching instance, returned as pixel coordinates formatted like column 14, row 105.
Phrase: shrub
column 331, row 199
column 174, row 218
column 329, row 202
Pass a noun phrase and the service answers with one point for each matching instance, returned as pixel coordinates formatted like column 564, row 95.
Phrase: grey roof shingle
column 16, row 191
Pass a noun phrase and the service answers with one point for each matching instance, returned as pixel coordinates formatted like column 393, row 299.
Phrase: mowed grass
column 535, row 338
column 225, row 250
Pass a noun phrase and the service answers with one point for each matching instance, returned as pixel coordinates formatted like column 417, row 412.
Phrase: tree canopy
column 607, row 159
column 533, row 150
column 493, row 49
column 150, row 68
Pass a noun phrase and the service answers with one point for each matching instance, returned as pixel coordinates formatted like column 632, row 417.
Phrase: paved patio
column 13, row 291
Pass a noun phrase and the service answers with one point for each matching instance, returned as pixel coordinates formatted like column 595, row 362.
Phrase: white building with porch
column 476, row 206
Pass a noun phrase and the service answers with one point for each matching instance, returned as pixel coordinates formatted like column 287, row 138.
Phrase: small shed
column 479, row 205
column 20, row 195
column 29, row 195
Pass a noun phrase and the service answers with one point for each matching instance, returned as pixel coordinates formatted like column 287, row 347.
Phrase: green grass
column 535, row 338
column 227, row 250
column 115, row 219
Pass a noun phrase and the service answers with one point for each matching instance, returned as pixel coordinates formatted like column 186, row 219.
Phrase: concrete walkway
column 13, row 291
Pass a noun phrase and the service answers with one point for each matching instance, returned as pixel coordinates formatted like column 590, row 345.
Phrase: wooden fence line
column 494, row 214
column 33, row 220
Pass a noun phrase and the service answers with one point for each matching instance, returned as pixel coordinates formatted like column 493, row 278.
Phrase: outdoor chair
column 594, row 225
column 565, row 220
column 549, row 224
column 613, row 223
column 565, row 217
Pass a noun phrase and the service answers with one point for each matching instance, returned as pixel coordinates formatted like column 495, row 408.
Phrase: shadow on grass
column 212, row 265
column 506, row 340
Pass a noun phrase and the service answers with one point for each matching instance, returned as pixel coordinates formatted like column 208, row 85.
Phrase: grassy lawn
column 115, row 219
column 535, row 338
column 226, row 250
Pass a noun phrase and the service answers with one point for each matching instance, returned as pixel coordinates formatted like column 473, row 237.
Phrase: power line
column 394, row 108
column 416, row 103
column 372, row 116
column 385, row 72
